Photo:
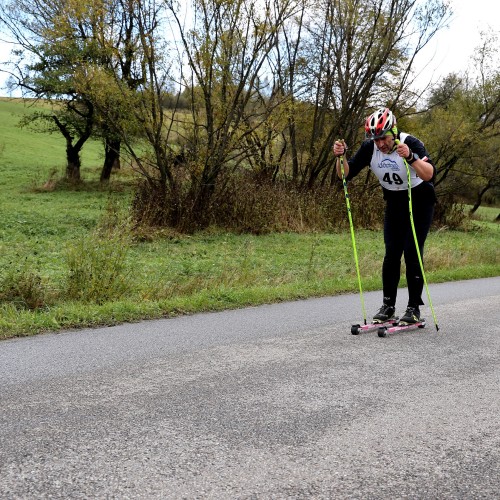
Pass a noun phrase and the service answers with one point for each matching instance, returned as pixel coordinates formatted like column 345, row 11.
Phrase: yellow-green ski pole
column 408, row 174
column 351, row 225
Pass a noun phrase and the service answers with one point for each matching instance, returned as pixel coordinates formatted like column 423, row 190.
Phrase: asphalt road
column 271, row 402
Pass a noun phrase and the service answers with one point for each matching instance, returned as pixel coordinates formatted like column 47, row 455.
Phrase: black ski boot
column 411, row 316
column 385, row 313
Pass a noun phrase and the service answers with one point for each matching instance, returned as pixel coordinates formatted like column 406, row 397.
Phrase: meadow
column 70, row 259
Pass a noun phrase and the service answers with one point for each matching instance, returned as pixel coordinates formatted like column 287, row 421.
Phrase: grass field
column 68, row 259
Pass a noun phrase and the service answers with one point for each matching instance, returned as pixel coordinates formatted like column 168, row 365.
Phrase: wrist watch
column 414, row 158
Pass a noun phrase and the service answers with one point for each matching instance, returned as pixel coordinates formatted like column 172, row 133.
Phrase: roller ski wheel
column 382, row 331
column 355, row 329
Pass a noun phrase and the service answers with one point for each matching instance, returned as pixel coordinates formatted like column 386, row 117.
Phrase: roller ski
column 383, row 331
column 410, row 321
column 374, row 325
column 383, row 319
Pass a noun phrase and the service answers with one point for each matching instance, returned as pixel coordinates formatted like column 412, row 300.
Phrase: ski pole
column 412, row 223
column 353, row 238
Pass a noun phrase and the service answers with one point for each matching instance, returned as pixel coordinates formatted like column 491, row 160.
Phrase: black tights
column 399, row 241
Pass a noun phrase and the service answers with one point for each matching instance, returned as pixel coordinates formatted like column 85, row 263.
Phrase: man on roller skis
column 383, row 152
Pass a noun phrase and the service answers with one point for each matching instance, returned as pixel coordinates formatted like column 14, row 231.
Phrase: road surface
column 270, row 402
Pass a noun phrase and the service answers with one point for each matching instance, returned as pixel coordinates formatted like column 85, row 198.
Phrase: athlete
column 383, row 152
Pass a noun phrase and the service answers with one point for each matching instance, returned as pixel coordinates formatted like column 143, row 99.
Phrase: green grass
column 485, row 214
column 36, row 153
column 56, row 247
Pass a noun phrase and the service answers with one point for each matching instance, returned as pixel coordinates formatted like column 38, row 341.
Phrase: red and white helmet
column 379, row 123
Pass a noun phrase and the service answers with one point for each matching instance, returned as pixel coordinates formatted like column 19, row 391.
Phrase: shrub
column 23, row 287
column 97, row 261
column 248, row 205
column 450, row 214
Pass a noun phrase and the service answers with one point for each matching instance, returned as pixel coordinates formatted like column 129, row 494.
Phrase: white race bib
column 390, row 169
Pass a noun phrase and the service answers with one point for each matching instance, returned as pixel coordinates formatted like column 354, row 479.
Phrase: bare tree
column 350, row 57
column 462, row 127
column 226, row 50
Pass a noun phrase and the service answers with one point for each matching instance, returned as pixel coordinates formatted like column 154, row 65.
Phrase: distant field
column 33, row 153
column 52, row 257
column 486, row 213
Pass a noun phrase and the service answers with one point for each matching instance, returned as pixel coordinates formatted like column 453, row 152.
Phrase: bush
column 450, row 214
column 23, row 287
column 97, row 262
column 249, row 205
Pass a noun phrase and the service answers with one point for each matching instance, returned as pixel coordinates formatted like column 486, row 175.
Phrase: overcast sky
column 450, row 50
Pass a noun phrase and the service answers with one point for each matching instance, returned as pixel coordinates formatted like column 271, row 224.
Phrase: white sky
column 450, row 50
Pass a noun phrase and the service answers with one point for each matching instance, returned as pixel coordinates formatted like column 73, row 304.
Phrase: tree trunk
column 111, row 158
column 294, row 149
column 480, row 195
column 73, row 162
